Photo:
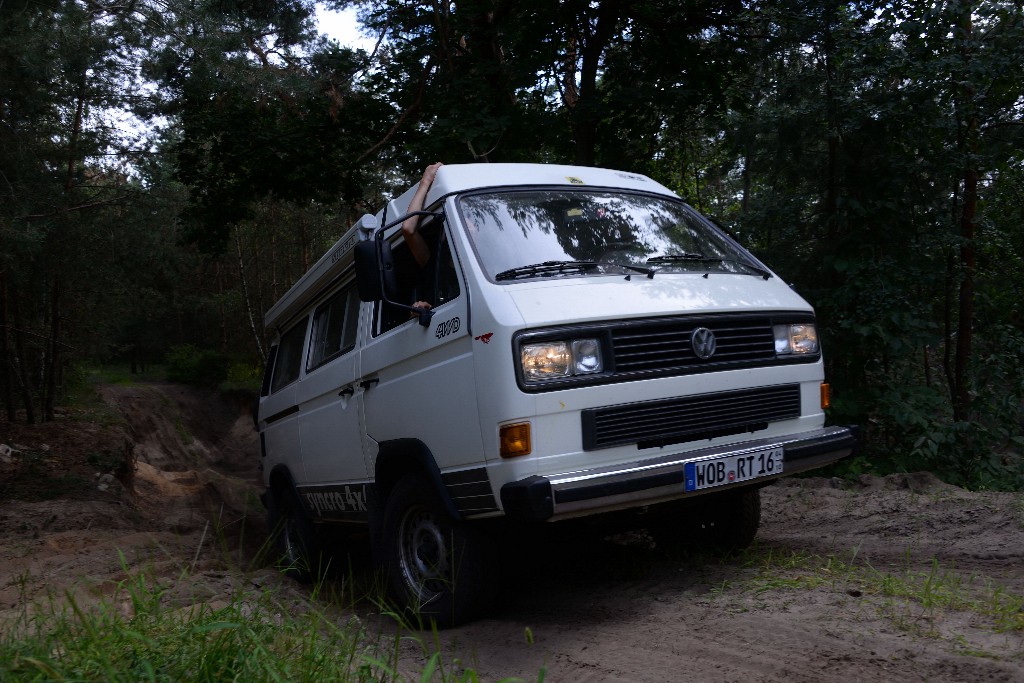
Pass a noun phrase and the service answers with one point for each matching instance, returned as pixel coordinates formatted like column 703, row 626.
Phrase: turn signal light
column 515, row 440
column 826, row 396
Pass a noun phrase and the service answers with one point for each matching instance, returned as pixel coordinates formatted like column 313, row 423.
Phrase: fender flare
column 401, row 456
column 281, row 475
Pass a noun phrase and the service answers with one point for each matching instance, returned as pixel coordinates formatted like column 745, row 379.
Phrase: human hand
column 419, row 304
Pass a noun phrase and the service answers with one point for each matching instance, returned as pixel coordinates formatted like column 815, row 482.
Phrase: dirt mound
column 902, row 517
column 171, row 473
column 177, row 428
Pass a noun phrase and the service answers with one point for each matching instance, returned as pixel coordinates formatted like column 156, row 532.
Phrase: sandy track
column 814, row 600
column 623, row 611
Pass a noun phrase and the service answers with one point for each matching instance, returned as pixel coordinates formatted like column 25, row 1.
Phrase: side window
column 334, row 327
column 436, row 283
column 268, row 371
column 289, row 357
column 406, row 272
column 446, row 281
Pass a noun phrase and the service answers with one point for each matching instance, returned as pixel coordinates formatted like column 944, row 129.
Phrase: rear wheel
column 295, row 540
column 725, row 522
column 435, row 564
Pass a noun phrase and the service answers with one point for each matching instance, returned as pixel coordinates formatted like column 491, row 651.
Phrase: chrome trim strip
column 625, row 476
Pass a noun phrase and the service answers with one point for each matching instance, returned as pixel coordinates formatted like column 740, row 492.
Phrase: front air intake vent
column 665, row 346
column 652, row 424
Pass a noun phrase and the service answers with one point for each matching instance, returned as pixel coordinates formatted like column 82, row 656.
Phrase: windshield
column 579, row 233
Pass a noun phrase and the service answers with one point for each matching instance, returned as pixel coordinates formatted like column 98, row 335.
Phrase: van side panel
column 279, row 415
column 331, row 451
column 428, row 395
column 419, row 380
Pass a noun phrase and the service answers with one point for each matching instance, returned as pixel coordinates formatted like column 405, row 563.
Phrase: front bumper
column 643, row 482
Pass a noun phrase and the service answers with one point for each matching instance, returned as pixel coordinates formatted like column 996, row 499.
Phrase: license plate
column 730, row 469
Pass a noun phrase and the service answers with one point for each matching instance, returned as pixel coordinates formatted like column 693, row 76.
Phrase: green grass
column 903, row 594
column 261, row 635
column 120, row 373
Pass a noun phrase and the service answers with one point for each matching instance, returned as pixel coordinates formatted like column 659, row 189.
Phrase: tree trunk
column 245, row 295
column 747, row 184
column 24, row 380
column 76, row 131
column 947, row 321
column 221, row 311
column 6, row 361
column 53, row 364
column 968, row 213
column 586, row 113
column 965, row 324
column 274, row 294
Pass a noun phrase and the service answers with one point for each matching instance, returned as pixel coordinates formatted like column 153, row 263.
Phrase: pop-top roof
column 451, row 179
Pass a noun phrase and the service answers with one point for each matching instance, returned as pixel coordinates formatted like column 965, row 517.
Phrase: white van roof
column 450, row 179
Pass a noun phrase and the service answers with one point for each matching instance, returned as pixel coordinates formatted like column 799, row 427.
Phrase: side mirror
column 376, row 278
column 367, row 272
column 375, row 270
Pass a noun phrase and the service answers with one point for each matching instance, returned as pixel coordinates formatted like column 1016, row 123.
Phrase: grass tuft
column 908, row 596
column 137, row 635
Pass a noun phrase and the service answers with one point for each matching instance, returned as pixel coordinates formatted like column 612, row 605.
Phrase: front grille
column 653, row 424
column 661, row 347
column 664, row 346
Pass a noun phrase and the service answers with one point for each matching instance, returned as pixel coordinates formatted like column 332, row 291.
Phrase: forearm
column 410, row 227
column 416, row 204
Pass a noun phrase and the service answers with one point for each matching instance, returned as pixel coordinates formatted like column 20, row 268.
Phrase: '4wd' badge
column 447, row 327
column 703, row 342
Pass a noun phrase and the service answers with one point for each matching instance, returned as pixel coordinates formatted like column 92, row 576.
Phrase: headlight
column 552, row 360
column 798, row 339
column 586, row 356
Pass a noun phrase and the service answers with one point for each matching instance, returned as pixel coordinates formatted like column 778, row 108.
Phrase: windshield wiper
column 757, row 270
column 676, row 258
column 545, row 268
column 701, row 258
column 649, row 272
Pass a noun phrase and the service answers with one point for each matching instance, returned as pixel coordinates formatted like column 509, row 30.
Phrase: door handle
column 367, row 383
column 347, row 391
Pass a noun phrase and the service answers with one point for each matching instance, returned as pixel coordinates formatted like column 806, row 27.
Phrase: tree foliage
column 168, row 169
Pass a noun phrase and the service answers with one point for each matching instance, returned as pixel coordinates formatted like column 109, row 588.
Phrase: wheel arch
column 280, row 479
column 399, row 457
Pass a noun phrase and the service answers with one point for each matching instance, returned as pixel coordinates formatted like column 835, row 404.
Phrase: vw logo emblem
column 703, row 342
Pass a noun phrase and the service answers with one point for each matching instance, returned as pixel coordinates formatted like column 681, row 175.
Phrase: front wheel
column 435, row 564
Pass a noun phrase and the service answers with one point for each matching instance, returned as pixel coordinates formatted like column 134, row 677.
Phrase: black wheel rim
column 290, row 537
column 423, row 554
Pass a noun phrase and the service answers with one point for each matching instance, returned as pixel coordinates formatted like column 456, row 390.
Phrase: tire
column 436, row 566
column 726, row 522
column 297, row 548
column 744, row 520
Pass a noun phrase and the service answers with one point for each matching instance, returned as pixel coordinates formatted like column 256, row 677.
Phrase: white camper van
column 592, row 346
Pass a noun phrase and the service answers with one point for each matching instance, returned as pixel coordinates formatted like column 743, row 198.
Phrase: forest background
column 168, row 168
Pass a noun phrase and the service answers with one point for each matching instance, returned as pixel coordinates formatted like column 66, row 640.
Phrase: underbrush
column 908, row 422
